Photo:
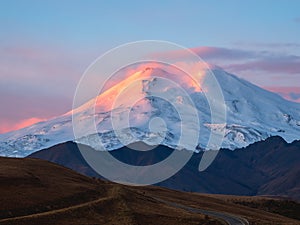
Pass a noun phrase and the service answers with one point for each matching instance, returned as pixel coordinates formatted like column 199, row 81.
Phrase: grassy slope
column 34, row 191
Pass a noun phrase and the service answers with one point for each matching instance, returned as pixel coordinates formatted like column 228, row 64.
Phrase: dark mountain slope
column 269, row 167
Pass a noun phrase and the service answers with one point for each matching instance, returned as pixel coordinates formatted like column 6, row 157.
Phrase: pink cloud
column 263, row 45
column 223, row 53
column 291, row 66
column 19, row 107
column 238, row 60
column 37, row 82
column 290, row 93
column 7, row 126
column 264, row 68
column 210, row 53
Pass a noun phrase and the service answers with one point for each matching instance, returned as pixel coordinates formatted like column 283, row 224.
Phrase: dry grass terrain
column 34, row 191
column 282, row 206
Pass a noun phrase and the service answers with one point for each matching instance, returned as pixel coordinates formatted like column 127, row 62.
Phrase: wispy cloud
column 297, row 20
column 291, row 93
column 249, row 63
column 266, row 45
column 36, row 82
column 20, row 106
column 210, row 53
column 216, row 53
column 283, row 65
column 264, row 68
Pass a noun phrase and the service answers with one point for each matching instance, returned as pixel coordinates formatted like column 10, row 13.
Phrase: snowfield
column 253, row 114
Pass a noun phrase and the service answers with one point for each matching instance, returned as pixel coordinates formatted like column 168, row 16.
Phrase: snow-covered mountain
column 253, row 114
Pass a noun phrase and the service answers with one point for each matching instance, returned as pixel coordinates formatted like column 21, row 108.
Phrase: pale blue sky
column 189, row 23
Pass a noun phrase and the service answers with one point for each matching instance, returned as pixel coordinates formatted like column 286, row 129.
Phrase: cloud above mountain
column 276, row 71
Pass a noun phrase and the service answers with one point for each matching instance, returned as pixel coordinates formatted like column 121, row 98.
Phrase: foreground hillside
column 269, row 167
column 34, row 191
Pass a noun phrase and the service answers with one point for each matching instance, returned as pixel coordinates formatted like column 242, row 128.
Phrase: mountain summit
column 149, row 106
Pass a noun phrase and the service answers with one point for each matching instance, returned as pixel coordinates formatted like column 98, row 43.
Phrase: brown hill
column 34, row 191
